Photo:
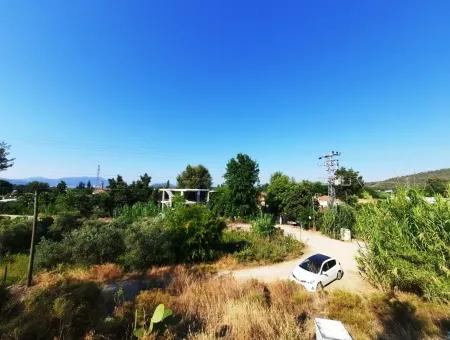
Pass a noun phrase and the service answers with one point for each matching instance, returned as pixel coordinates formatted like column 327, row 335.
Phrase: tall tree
column 141, row 190
column 5, row 162
column 351, row 184
column 241, row 178
column 195, row 177
column 436, row 186
column 5, row 187
column 61, row 187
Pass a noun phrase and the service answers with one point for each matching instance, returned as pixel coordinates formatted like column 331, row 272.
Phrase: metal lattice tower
column 331, row 162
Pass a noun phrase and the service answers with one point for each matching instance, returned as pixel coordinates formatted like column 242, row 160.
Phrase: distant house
column 98, row 191
column 325, row 202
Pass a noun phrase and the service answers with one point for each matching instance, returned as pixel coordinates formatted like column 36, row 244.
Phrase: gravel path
column 315, row 242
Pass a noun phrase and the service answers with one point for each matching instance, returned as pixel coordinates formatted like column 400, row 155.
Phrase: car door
column 331, row 270
column 324, row 277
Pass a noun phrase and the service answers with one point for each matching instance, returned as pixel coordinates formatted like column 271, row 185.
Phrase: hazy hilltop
column 70, row 181
column 413, row 179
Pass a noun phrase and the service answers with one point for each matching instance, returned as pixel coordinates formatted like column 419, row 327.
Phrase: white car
column 317, row 271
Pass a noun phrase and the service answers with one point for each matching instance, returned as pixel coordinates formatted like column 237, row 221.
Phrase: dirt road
column 315, row 242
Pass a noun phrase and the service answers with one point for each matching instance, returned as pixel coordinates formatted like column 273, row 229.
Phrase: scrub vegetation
column 106, row 260
column 70, row 305
column 408, row 244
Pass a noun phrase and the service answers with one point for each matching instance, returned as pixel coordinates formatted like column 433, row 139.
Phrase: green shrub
column 341, row 216
column 148, row 242
column 138, row 210
column 408, row 244
column 64, row 223
column 251, row 247
column 15, row 236
column 264, row 225
column 196, row 232
column 95, row 242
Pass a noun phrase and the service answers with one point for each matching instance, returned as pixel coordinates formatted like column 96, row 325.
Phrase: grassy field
column 69, row 305
column 17, row 268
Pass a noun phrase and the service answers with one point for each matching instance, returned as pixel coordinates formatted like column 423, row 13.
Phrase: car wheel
column 319, row 287
column 340, row 274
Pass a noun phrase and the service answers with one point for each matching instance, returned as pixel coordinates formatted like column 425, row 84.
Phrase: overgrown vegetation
column 341, row 216
column 71, row 305
column 408, row 244
column 251, row 247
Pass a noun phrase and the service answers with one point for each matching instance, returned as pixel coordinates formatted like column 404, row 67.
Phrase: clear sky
column 150, row 86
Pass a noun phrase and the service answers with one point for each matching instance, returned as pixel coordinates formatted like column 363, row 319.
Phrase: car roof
column 318, row 259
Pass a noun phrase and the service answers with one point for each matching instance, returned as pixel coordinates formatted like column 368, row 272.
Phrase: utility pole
column 331, row 162
column 33, row 235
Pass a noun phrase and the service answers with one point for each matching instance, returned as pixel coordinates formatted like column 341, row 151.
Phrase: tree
column 436, row 186
column 292, row 200
column 140, row 190
column 351, row 185
column 5, row 187
column 119, row 192
column 277, row 190
column 61, row 187
column 5, row 162
column 241, row 178
column 195, row 177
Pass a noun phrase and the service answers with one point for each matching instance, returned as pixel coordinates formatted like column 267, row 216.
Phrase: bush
column 15, row 236
column 148, row 242
column 408, row 244
column 341, row 216
column 251, row 247
column 64, row 223
column 264, row 225
column 196, row 232
column 138, row 210
column 94, row 243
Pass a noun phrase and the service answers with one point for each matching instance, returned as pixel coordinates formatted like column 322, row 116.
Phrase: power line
column 331, row 162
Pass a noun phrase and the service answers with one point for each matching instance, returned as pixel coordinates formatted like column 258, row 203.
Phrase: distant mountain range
column 419, row 179
column 70, row 181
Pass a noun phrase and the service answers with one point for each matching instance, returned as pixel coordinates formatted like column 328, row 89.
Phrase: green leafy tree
column 436, row 186
column 61, row 187
column 351, row 185
column 140, row 190
column 197, row 177
column 5, row 187
column 119, row 191
column 241, row 177
column 5, row 162
column 277, row 190
column 293, row 200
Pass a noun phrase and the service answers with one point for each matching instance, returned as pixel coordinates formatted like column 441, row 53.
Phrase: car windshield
column 310, row 266
column 313, row 263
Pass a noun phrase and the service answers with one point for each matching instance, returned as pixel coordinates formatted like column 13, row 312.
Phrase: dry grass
column 106, row 272
column 210, row 307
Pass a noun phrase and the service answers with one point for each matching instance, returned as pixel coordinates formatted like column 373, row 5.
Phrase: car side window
column 325, row 267
column 330, row 264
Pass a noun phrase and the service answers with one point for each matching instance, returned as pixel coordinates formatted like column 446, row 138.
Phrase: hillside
column 418, row 179
column 70, row 181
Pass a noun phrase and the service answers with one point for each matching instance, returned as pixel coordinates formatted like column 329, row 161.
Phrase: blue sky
column 150, row 86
